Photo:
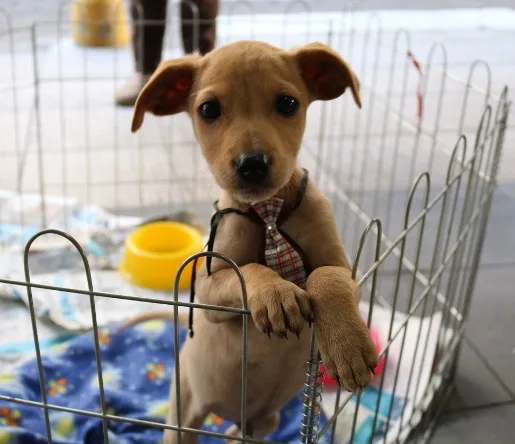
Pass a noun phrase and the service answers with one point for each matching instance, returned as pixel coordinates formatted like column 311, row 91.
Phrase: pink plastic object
column 378, row 370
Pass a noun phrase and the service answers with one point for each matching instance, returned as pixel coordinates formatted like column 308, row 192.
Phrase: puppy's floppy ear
column 167, row 91
column 325, row 73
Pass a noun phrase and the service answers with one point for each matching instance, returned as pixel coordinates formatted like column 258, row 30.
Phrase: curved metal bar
column 501, row 104
column 401, row 31
column 20, row 154
column 235, row 267
column 445, row 64
column 503, row 99
column 470, row 254
column 335, row 37
column 374, row 16
column 501, row 111
column 251, row 11
column 363, row 239
column 322, row 140
column 8, row 18
column 60, row 8
column 478, row 153
column 467, row 210
column 434, row 47
column 472, row 196
column 400, row 120
column 393, row 247
column 289, row 7
column 342, row 180
column 215, row 255
column 340, row 147
column 414, row 188
column 369, row 117
column 346, row 18
column 399, row 270
column 93, row 319
column 348, row 9
column 461, row 142
column 467, row 90
column 482, row 134
column 374, row 223
column 247, row 4
column 483, row 128
column 489, row 74
column 388, row 105
column 293, row 3
column 474, row 257
column 379, row 232
column 441, row 94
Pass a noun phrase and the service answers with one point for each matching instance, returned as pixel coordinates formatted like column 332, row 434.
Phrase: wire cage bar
column 410, row 178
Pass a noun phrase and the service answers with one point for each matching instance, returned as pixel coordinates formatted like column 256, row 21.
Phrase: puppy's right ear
column 167, row 91
column 325, row 73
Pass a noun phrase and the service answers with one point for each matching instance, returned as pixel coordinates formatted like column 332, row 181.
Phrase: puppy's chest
column 269, row 233
column 280, row 247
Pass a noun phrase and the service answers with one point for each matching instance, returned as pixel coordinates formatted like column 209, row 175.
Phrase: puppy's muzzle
column 252, row 169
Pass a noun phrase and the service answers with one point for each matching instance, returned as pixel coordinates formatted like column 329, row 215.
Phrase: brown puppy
column 249, row 100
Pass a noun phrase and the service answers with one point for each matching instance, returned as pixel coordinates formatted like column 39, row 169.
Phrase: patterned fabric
column 280, row 255
column 137, row 364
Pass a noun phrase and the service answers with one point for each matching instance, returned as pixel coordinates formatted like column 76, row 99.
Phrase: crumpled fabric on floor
column 137, row 363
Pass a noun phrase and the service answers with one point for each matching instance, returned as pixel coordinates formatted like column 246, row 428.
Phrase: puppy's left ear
column 167, row 91
column 325, row 73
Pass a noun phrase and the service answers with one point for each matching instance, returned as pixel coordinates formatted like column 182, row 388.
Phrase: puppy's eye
column 210, row 110
column 286, row 105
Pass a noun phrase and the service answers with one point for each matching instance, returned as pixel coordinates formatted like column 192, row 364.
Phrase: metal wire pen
column 411, row 191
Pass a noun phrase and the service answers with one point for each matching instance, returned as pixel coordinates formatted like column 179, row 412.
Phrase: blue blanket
column 137, row 366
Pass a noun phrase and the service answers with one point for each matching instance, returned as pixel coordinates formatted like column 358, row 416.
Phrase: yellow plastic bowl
column 154, row 253
column 99, row 23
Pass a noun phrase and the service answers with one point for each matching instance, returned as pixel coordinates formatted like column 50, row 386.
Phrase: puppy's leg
column 348, row 353
column 192, row 413
column 277, row 306
column 258, row 428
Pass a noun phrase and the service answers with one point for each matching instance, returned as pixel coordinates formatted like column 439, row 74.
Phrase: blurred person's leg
column 149, row 23
column 198, row 33
column 198, row 25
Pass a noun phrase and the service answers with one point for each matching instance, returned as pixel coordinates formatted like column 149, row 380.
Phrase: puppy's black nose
column 253, row 169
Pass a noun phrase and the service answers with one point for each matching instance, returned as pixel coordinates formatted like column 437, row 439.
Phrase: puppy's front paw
column 348, row 353
column 279, row 307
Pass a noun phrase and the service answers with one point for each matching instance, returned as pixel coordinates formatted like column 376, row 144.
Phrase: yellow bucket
column 155, row 251
column 99, row 23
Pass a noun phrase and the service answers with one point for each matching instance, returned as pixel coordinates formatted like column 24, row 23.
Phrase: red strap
column 418, row 67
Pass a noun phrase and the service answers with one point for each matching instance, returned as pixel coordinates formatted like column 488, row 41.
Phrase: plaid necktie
column 280, row 255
